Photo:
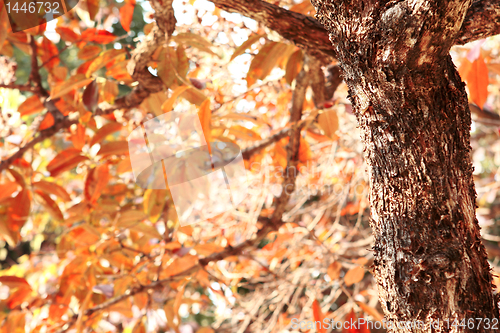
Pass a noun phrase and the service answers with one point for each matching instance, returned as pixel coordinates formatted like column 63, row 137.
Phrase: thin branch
column 22, row 87
column 35, row 70
column 250, row 151
column 288, row 185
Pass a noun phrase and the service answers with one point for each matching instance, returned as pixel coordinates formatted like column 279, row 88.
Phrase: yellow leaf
column 154, row 200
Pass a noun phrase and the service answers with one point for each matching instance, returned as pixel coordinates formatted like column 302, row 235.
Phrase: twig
column 22, row 87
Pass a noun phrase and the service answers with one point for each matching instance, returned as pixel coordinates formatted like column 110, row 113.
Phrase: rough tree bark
column 412, row 109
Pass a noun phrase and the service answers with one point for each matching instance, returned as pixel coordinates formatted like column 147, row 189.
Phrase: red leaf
column 126, row 14
column 91, row 96
column 98, row 36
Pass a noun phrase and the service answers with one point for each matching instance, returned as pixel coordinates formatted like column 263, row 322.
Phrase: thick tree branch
column 482, row 20
column 300, row 29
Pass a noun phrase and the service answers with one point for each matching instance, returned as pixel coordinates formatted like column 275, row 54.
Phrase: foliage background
column 84, row 249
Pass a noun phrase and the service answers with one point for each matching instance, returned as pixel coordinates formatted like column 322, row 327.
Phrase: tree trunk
column 413, row 113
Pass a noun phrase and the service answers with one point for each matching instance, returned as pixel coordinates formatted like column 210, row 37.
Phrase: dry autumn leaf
column 354, row 275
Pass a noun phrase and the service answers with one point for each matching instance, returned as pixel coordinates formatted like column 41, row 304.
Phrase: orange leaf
column 4, row 25
column 205, row 115
column 101, row 174
column 294, row 65
column 246, row 45
column 98, row 36
column 62, row 157
column 89, row 52
column 52, row 188
column 355, row 327
column 114, row 148
column 304, row 151
column 354, row 275
column 31, row 105
column 18, row 213
column 77, row 81
column 334, row 270
column 65, row 160
column 67, row 34
column 47, row 122
column 103, row 59
column 104, row 131
column 476, row 76
column 7, row 189
column 318, row 316
column 180, row 265
column 78, row 137
column 263, row 63
column 169, row 103
column 49, row 53
column 50, row 205
column 126, row 14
